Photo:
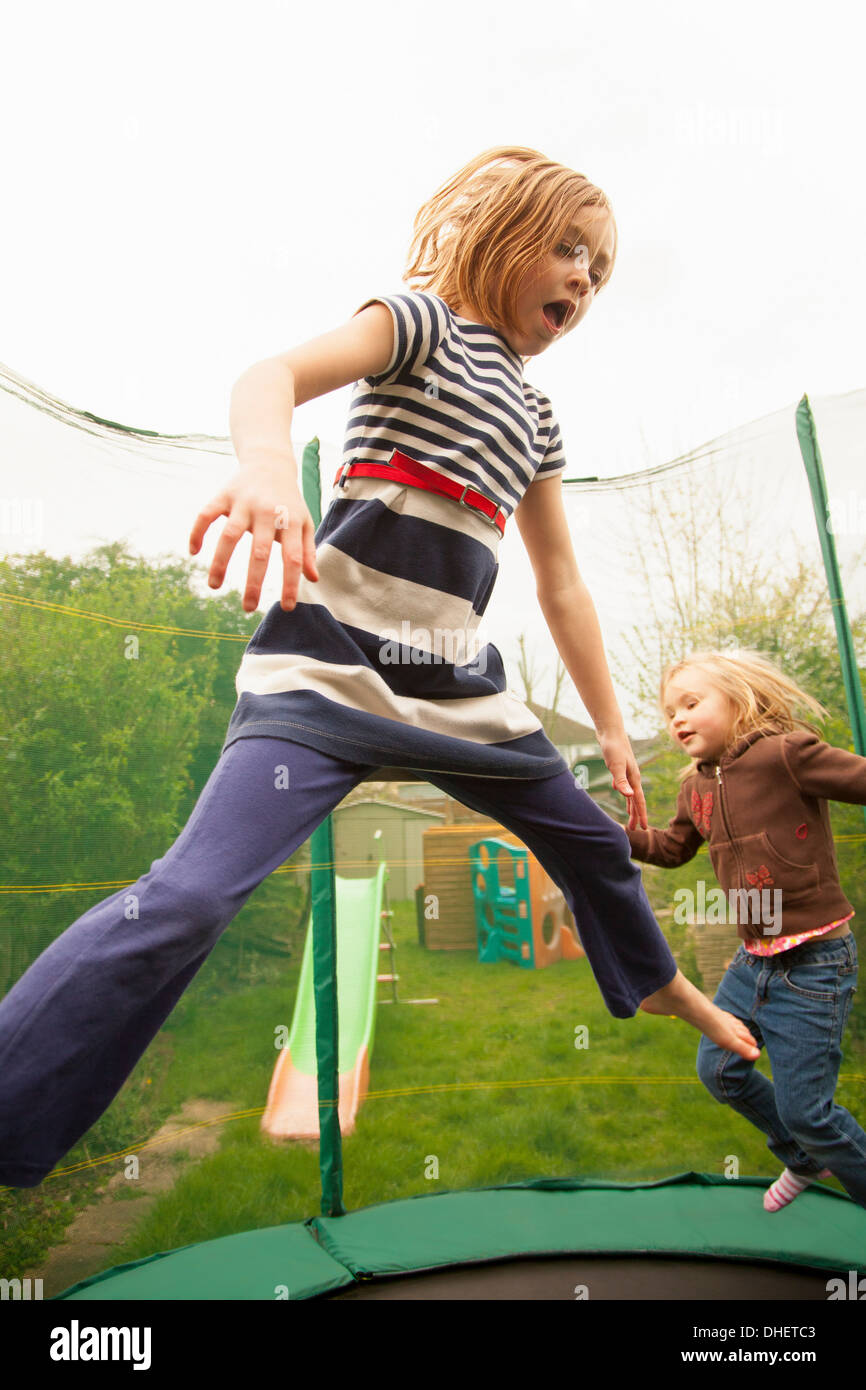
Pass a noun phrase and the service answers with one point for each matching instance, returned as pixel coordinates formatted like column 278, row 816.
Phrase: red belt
column 403, row 469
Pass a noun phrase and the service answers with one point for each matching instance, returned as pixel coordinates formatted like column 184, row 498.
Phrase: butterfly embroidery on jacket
column 760, row 878
column 702, row 809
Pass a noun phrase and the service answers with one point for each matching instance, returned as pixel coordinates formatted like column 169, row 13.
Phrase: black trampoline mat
column 628, row 1277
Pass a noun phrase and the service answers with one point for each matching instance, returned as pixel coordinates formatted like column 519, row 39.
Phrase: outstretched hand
column 625, row 775
column 266, row 501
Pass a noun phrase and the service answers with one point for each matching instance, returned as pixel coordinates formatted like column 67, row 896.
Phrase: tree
column 118, row 684
column 713, row 585
column 527, row 670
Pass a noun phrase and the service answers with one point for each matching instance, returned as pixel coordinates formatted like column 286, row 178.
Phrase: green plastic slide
column 292, row 1109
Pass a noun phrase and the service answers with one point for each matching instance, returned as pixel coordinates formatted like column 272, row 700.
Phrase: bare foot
column 684, row 1000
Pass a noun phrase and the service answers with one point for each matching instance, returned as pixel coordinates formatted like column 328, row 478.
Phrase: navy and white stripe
column 453, row 396
column 380, row 660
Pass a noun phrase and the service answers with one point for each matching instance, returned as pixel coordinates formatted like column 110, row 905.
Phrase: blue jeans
column 78, row 1020
column 796, row 1004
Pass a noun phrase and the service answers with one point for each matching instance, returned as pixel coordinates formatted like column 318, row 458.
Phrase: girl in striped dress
column 371, row 658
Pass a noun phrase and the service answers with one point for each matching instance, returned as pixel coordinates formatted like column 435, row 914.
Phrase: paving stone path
column 90, row 1240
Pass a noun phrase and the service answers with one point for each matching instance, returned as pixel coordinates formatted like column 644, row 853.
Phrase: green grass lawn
column 521, row 1100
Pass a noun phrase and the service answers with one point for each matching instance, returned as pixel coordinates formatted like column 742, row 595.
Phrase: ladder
column 390, row 977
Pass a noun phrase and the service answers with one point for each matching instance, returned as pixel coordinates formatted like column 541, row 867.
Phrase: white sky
column 190, row 187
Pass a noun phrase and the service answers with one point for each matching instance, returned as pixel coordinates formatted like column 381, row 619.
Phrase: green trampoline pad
column 693, row 1215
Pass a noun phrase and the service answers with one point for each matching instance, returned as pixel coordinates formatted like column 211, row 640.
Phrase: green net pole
column 324, row 910
column 807, row 435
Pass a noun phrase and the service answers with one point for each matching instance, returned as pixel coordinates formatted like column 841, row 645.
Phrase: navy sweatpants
column 76, row 1023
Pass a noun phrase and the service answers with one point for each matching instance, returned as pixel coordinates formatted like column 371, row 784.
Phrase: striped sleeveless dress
column 380, row 661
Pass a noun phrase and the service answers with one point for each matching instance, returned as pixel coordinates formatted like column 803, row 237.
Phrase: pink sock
column 787, row 1187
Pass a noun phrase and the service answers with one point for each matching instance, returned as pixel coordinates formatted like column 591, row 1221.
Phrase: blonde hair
column 762, row 698
column 495, row 219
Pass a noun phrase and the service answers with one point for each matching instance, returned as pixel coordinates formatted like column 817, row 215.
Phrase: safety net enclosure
column 458, row 1104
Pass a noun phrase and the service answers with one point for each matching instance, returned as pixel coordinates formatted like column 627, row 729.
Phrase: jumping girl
column 755, row 790
column 346, row 674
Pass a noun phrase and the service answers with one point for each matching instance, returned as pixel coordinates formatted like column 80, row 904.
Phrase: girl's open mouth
column 555, row 314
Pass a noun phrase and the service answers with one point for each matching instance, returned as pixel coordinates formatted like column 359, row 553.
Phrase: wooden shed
column 448, row 882
column 401, row 843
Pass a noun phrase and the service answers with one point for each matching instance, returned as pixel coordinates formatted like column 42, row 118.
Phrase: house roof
column 397, row 805
column 563, row 731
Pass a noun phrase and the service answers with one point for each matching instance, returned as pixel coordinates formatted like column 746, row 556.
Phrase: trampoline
column 692, row 1236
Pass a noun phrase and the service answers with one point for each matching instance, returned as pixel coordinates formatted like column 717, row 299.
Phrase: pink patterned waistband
column 785, row 943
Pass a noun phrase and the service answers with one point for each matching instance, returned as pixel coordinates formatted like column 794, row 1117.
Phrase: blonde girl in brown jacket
column 756, row 792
